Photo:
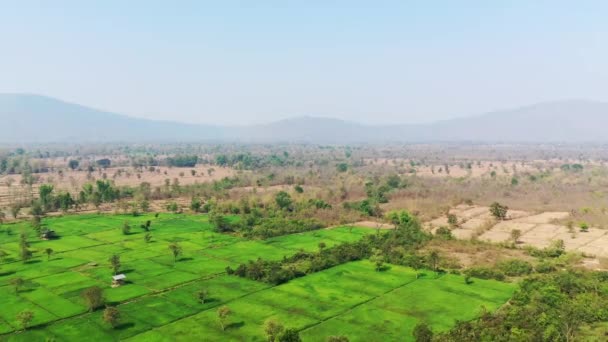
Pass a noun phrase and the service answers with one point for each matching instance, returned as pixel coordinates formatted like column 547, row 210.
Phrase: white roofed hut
column 118, row 280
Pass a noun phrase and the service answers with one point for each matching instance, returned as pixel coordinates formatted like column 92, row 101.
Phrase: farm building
column 118, row 280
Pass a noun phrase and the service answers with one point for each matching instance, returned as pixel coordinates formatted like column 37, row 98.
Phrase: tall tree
column 115, row 263
column 26, row 254
column 93, row 297
column 499, row 211
column 111, row 315
column 48, row 252
column 201, row 295
column 273, row 329
column 25, row 318
column 222, row 315
column 176, row 250
column 433, row 259
column 290, row 335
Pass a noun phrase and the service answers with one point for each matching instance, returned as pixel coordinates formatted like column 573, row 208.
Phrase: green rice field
column 157, row 302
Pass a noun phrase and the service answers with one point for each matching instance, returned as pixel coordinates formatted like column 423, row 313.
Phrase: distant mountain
column 34, row 118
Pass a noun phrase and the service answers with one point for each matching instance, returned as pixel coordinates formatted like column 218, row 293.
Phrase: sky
column 243, row 62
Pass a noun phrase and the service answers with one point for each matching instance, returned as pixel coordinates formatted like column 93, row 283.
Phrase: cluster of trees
column 259, row 220
column 377, row 191
column 183, row 161
column 301, row 263
column 560, row 303
column 248, row 161
column 572, row 167
column 397, row 246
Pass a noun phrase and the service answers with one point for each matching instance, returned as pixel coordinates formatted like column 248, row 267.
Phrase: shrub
column 545, row 267
column 515, row 267
column 484, row 273
column 444, row 233
column 499, row 211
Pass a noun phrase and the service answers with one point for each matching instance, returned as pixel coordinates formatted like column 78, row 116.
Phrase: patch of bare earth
column 468, row 253
column 473, row 221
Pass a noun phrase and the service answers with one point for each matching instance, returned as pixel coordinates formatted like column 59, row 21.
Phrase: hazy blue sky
column 257, row 61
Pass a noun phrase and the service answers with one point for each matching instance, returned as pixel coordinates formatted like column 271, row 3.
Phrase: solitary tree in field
column 422, row 333
column 144, row 205
column 378, row 259
column 48, row 252
column 25, row 318
column 273, row 329
column 499, row 211
column 26, row 254
column 515, row 235
column 17, row 283
column 453, row 221
column 146, row 225
column 115, row 263
column 290, row 335
column 111, row 315
column 201, row 295
column 222, row 315
column 148, row 237
column 196, row 204
column 176, row 250
column 322, row 246
column 416, row 263
column 15, row 209
column 126, row 228
column 584, row 227
column 93, row 297
column 434, row 260
column 73, row 164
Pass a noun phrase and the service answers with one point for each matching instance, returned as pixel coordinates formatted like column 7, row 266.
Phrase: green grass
column 80, row 260
column 350, row 299
column 158, row 302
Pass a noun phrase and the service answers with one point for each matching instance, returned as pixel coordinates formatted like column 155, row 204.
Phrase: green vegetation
column 65, row 292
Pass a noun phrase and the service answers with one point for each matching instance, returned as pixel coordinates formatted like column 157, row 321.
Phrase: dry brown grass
column 12, row 190
column 473, row 253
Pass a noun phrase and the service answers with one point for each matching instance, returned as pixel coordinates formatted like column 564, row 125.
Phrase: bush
column 444, row 233
column 545, row 267
column 515, row 267
column 484, row 273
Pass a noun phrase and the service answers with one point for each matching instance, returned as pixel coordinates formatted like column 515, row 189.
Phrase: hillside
column 33, row 118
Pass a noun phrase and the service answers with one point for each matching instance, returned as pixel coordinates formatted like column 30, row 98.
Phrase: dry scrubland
column 12, row 188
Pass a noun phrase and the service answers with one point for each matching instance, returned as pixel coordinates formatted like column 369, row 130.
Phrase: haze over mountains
column 32, row 118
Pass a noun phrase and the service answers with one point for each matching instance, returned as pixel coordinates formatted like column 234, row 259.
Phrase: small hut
column 47, row 234
column 118, row 280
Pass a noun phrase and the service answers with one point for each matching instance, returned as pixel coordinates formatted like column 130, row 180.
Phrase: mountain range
column 30, row 118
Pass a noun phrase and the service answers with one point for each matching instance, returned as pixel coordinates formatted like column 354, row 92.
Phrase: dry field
column 72, row 181
column 473, row 169
column 537, row 230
